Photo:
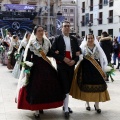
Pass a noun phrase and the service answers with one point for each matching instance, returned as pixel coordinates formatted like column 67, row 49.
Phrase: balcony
column 32, row 2
column 82, row 23
column 91, row 8
column 51, row 2
column 100, row 6
column 1, row 1
column 110, row 19
column 83, row 10
column 99, row 21
column 15, row 1
column 110, row 3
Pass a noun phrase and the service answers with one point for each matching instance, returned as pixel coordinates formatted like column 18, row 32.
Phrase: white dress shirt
column 67, row 44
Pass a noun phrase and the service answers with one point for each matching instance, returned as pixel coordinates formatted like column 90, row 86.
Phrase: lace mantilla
column 93, row 53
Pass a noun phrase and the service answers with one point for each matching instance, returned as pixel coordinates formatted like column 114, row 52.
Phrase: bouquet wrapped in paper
column 110, row 71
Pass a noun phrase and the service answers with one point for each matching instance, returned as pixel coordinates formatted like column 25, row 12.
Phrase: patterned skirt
column 88, row 84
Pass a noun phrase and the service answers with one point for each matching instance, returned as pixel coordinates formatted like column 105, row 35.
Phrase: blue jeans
column 115, row 56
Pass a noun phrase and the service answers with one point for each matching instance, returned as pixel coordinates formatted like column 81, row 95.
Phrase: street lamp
column 89, row 25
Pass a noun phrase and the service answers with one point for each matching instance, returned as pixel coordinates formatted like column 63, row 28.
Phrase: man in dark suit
column 64, row 50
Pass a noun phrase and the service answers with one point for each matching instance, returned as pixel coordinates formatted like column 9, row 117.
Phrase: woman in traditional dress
column 19, row 56
column 14, row 45
column 1, row 48
column 42, row 89
column 5, row 44
column 89, row 79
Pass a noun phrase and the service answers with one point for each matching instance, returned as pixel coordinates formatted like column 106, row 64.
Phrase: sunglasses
column 66, row 26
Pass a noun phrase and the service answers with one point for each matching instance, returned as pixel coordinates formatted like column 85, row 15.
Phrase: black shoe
column 70, row 110
column 98, row 110
column 88, row 108
column 113, row 63
column 67, row 115
column 117, row 68
column 41, row 111
column 107, row 80
column 36, row 115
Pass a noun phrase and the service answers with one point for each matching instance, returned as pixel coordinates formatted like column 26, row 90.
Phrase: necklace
column 41, row 42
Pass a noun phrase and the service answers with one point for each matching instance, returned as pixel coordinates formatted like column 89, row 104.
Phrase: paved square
column 9, row 111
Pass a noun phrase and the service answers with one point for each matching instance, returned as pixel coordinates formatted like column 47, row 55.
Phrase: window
column 91, row 18
column 83, row 33
column 90, row 31
column 111, row 3
column 110, row 18
column 87, row 18
column 71, row 10
column 83, row 7
column 71, row 20
column 105, row 2
column 100, row 4
column 83, row 21
column 65, row 10
column 99, row 32
column 66, row 18
column 51, row 10
column 100, row 18
column 110, row 32
column 91, row 5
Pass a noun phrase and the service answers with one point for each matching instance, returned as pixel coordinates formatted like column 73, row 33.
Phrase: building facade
column 69, row 11
column 42, row 12
column 96, row 16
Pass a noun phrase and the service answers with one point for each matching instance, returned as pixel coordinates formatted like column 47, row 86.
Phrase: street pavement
column 9, row 111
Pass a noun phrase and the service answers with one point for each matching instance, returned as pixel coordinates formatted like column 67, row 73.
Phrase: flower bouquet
column 27, row 65
column 8, row 54
column 2, row 49
column 17, row 56
column 110, row 71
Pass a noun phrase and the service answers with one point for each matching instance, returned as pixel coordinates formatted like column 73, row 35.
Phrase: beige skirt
column 87, row 96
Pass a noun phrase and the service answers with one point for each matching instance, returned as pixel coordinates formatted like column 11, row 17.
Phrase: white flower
column 1, row 46
column 108, row 68
column 30, row 64
column 9, row 53
column 15, row 53
column 80, row 57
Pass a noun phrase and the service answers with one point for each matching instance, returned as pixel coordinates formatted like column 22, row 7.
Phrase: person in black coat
column 64, row 50
column 106, row 44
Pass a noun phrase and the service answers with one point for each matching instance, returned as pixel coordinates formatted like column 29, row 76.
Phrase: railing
column 100, row 6
column 91, row 8
column 110, row 19
column 15, row 1
column 82, row 23
column 32, row 2
column 83, row 10
column 99, row 20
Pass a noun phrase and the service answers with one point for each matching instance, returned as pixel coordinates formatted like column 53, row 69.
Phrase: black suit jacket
column 59, row 45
